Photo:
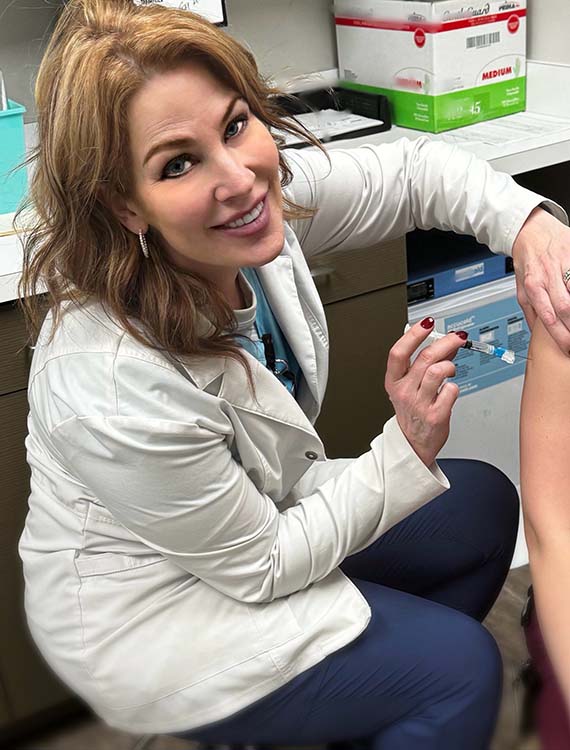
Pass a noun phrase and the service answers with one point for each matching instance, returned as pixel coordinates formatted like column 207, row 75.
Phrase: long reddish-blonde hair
column 101, row 52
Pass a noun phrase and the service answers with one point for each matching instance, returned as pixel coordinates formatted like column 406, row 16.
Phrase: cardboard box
column 13, row 181
column 443, row 64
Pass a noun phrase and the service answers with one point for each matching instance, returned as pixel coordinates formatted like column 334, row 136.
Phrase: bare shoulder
column 547, row 363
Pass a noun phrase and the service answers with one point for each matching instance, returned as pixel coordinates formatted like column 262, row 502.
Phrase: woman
column 544, row 487
column 194, row 564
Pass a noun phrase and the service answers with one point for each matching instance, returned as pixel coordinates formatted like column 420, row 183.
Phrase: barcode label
column 483, row 40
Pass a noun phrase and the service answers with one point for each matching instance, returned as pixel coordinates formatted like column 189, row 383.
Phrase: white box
column 442, row 63
column 485, row 419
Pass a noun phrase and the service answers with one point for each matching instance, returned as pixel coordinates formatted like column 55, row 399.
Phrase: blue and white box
column 485, row 419
column 13, row 176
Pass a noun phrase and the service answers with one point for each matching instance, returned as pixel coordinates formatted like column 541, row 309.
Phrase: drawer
column 348, row 273
column 14, row 353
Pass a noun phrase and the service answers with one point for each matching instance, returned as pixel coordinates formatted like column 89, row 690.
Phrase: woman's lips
column 257, row 225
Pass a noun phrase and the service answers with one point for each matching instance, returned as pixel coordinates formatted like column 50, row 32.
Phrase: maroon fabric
column 551, row 719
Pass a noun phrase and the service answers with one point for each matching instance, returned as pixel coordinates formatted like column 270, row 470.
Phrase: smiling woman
column 154, row 86
column 205, row 177
column 194, row 562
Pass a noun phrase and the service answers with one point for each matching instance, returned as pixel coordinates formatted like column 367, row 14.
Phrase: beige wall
column 288, row 38
column 23, row 33
column 549, row 30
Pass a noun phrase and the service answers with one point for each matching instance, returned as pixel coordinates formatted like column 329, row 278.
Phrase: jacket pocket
column 114, row 590
column 111, row 562
column 150, row 629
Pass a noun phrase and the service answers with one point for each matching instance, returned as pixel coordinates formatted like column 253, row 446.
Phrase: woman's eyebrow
column 182, row 142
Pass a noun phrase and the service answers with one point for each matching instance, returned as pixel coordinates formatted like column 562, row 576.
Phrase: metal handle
column 321, row 272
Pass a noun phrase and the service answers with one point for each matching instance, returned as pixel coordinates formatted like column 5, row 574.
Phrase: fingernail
column 462, row 335
column 428, row 323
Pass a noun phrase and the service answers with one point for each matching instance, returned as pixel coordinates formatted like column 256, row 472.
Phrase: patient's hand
column 541, row 255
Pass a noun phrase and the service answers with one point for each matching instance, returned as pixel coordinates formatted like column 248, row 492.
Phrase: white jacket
column 182, row 547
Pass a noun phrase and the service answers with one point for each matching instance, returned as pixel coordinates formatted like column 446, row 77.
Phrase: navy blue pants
column 424, row 674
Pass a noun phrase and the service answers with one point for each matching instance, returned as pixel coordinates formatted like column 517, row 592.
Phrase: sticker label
column 469, row 272
column 212, row 10
column 501, row 324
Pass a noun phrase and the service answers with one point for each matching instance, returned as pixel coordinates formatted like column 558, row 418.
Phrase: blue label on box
column 501, row 324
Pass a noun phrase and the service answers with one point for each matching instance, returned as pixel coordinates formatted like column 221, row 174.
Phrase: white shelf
column 546, row 96
column 10, row 267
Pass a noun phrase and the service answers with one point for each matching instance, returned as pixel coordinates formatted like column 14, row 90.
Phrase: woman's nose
column 234, row 178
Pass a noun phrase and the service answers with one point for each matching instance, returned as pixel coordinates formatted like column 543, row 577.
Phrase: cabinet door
column 14, row 358
column 364, row 294
column 362, row 330
column 4, row 713
column 29, row 686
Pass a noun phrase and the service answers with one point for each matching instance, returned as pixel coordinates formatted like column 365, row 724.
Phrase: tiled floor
column 503, row 622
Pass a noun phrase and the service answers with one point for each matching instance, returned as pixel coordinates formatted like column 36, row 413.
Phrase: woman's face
column 206, row 175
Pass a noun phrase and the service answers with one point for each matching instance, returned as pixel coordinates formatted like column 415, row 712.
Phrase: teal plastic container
column 13, row 184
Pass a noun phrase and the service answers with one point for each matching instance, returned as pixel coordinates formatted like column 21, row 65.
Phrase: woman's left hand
column 541, row 255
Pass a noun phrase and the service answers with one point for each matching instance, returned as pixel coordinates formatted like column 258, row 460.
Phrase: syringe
column 506, row 355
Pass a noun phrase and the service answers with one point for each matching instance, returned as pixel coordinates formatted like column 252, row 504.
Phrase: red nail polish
column 428, row 323
column 462, row 335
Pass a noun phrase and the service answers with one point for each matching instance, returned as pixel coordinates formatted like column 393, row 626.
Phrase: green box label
column 434, row 114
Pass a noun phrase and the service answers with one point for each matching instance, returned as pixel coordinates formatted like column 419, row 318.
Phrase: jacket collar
column 282, row 283
column 227, row 379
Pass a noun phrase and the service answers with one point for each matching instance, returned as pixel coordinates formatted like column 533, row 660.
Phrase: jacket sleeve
column 372, row 193
column 177, row 485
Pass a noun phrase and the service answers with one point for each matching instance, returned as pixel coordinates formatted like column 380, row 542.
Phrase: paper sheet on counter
column 6, row 224
column 326, row 124
column 519, row 132
column 10, row 255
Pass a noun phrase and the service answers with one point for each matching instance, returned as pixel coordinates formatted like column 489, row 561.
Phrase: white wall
column 287, row 37
column 549, row 30
column 24, row 29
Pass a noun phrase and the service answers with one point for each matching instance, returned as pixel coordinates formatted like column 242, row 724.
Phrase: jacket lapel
column 227, row 379
column 278, row 280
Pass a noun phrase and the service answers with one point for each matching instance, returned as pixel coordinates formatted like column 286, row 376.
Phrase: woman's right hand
column 421, row 399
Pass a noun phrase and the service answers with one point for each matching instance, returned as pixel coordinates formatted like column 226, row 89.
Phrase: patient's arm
column 545, row 485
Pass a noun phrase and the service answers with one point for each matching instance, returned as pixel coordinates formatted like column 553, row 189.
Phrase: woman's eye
column 177, row 167
column 236, row 126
